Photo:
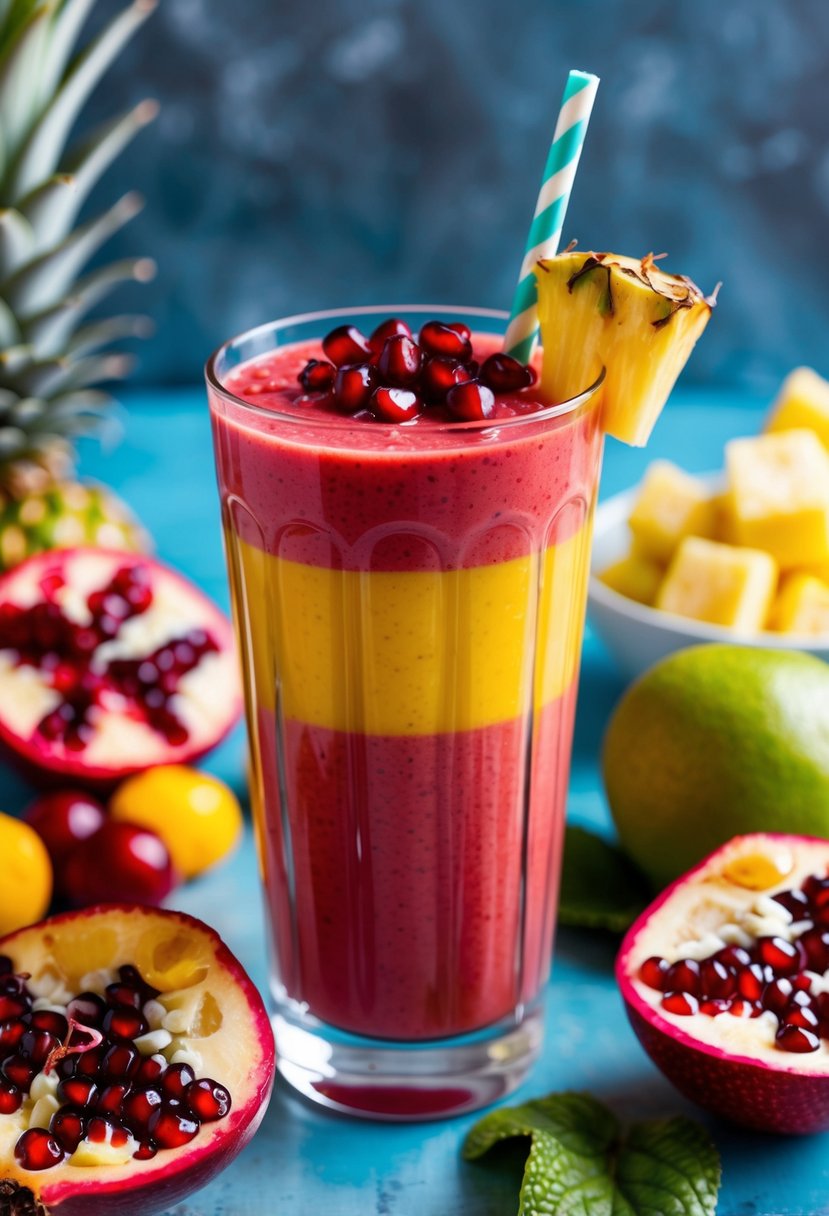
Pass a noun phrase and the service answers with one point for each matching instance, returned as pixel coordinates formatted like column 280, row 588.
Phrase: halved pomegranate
column 725, row 978
column 111, row 663
column 136, row 1061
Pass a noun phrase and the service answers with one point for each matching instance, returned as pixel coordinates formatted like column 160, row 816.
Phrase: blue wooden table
column 305, row 1161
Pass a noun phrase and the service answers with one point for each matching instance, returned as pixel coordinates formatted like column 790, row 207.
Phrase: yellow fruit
column 26, row 888
column 803, row 401
column 802, row 606
column 635, row 577
column 670, row 504
column 722, row 519
column 197, row 816
column 639, row 322
column 719, row 584
column 779, row 488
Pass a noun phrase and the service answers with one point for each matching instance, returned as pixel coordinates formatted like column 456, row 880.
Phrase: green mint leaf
column 579, row 1166
column 600, row 887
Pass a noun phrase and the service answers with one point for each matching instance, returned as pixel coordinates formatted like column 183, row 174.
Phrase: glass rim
column 346, row 423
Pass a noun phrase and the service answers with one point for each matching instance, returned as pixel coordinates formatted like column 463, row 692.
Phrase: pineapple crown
column 50, row 355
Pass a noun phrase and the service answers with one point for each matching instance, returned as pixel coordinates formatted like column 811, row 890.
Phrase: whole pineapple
column 51, row 356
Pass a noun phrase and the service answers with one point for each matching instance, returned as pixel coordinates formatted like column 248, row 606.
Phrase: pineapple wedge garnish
column 636, row 320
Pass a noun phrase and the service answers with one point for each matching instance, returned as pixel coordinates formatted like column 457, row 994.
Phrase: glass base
column 404, row 1082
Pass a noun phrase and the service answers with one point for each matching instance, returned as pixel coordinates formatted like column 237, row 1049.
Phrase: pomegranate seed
column 353, row 387
column 68, row 1127
column 399, row 361
column 752, row 981
column 654, row 972
column 88, row 1063
column 784, row 958
column 77, row 1091
column 207, row 1099
column 317, row 376
column 733, row 956
column 393, row 328
column 176, row 1079
column 87, row 1009
column 714, row 1007
column 450, row 340
column 777, row 995
column 796, row 1038
column 145, row 1151
column 683, row 1003
column 813, row 885
column 149, row 1070
column 717, row 980
column 503, row 374
column 11, row 1099
column 19, row 1071
column 138, row 1108
column 795, row 902
column 10, row 1035
column 742, row 1008
column 103, row 1129
column 122, row 1023
column 125, row 996
column 37, row 1046
column 172, row 1125
column 801, row 1015
column 120, row 1061
column 439, row 375
column 684, row 977
column 395, row 404
column 346, row 345
column 111, row 1099
column 37, row 1149
column 13, row 1007
column 52, row 1021
column 471, row 401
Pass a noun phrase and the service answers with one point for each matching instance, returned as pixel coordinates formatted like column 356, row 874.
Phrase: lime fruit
column 715, row 741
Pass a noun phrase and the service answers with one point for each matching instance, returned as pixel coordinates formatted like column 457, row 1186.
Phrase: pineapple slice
column 802, row 605
column 719, row 584
column 779, row 487
column 635, row 577
column 671, row 504
column 803, row 401
column 636, row 320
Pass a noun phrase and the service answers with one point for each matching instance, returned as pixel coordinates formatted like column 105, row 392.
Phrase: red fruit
column 395, row 404
column 317, row 376
column 62, row 820
column 439, row 375
column 353, row 387
column 503, row 374
column 471, row 402
column 392, row 328
column 158, row 952
column 345, row 345
column 451, row 340
column 399, row 361
column 120, row 861
column 111, row 714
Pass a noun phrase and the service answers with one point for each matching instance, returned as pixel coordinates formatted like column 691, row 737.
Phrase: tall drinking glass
column 409, row 602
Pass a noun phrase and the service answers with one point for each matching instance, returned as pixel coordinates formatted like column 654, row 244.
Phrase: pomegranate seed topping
column 207, row 1100
column 176, row 1079
column 52, row 1021
column 19, row 1071
column 77, row 1091
column 399, row 361
column 68, row 1127
column 345, row 345
column 395, row 404
column 654, row 972
column 145, row 1151
column 38, row 1149
column 684, row 977
column 503, row 374
column 11, row 1099
column 451, row 340
column 741, row 1008
column 172, row 1125
column 125, row 1023
column 317, row 376
column 796, row 1038
column 752, row 981
column 120, row 1061
column 138, row 1107
column 777, row 995
column 111, row 1098
column 784, row 958
column 801, row 1015
column 393, row 328
column 353, row 387
column 439, row 375
column 683, row 1003
column 714, row 1007
column 471, row 402
column 717, row 980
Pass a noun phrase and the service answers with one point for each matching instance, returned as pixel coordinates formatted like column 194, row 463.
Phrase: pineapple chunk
column 671, row 504
column 719, row 584
column 722, row 518
column 635, row 577
column 639, row 322
column 802, row 605
column 803, row 401
column 779, row 487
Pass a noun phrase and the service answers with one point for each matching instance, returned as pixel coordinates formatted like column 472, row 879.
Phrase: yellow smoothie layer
column 438, row 651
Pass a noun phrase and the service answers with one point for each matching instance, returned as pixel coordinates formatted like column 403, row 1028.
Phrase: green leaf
column 600, row 887
column 578, row 1164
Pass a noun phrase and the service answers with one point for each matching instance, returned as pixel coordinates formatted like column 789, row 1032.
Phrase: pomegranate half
column 109, row 663
column 725, row 978
column 137, row 1060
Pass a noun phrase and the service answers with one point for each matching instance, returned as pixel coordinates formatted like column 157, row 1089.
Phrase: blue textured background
column 346, row 151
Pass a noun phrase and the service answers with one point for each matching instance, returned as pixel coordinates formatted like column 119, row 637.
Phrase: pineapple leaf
column 13, row 442
column 98, row 334
column 50, row 329
column 17, row 242
column 15, row 15
column 19, row 78
column 41, row 151
column 35, row 379
column 50, row 210
column 82, row 373
column 10, row 334
column 91, row 159
column 66, row 25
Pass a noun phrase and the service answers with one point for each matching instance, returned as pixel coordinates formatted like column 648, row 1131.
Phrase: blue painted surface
column 305, row 1161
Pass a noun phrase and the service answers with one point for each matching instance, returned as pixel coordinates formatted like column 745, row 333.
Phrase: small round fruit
column 197, row 816
column 120, row 862
column 63, row 819
column 26, row 888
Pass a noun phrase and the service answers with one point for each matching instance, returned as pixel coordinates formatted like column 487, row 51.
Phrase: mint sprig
column 581, row 1164
column 600, row 887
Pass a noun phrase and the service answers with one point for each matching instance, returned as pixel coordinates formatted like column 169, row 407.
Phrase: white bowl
column 637, row 636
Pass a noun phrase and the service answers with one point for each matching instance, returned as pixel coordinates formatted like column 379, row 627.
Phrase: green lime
column 715, row 741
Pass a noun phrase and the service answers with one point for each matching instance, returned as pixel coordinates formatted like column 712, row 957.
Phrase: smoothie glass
column 409, row 602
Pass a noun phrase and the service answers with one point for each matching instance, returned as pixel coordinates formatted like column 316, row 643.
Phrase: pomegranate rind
column 142, row 1188
column 790, row 1096
column 46, row 765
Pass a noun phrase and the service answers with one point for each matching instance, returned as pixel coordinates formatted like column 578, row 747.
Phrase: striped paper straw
column 553, row 197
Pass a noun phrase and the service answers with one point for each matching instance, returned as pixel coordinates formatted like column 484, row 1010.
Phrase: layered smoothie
column 409, row 601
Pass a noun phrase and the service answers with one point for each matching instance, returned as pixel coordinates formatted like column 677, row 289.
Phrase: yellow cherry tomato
column 197, row 816
column 26, row 888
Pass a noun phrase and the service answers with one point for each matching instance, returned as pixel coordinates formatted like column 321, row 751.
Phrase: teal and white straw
column 551, row 208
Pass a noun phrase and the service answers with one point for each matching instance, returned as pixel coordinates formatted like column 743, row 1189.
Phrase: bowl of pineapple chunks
column 740, row 555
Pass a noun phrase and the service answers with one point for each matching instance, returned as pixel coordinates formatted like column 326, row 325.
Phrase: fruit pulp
column 409, row 601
